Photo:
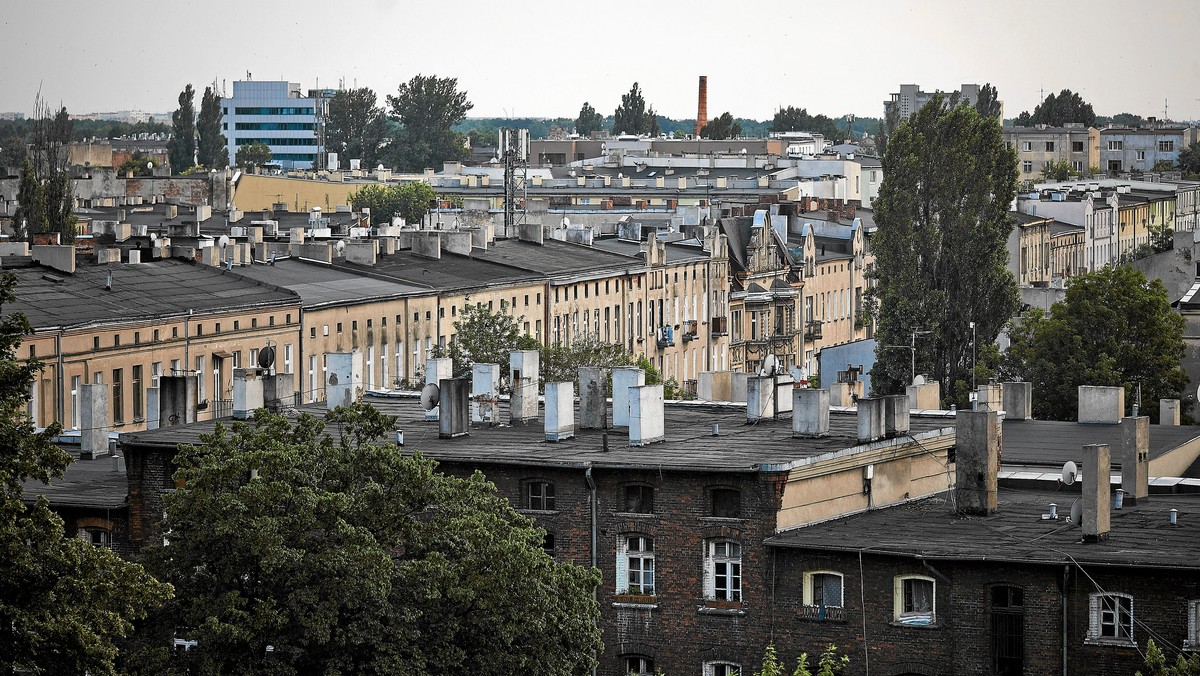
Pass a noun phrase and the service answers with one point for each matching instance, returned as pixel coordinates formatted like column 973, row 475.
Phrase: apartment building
column 835, row 261
column 1138, row 150
column 910, row 98
column 1041, row 145
column 277, row 115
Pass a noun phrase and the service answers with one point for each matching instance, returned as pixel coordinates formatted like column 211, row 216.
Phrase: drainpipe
column 587, row 474
column 1066, row 574
column 59, row 407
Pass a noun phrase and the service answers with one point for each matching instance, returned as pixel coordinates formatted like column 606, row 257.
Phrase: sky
column 538, row 58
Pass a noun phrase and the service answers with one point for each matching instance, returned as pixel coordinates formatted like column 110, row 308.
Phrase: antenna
column 430, row 395
column 1069, row 473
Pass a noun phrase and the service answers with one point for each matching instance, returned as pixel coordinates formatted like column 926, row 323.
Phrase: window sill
column 1110, row 641
column 640, row 601
column 722, row 608
column 539, row 512
column 913, row 623
column 637, row 515
column 725, row 519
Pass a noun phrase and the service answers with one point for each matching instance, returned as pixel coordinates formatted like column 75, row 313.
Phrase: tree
column 560, row 363
column 1024, row 119
column 485, row 336
column 1164, row 165
column 30, row 215
column 355, row 127
column 427, row 107
column 212, row 147
column 941, row 255
column 410, row 201
column 63, row 602
column 45, row 190
column 1060, row 170
column 988, row 103
column 1067, row 106
column 588, row 121
column 723, row 127
column 1156, row 663
column 313, row 547
column 139, row 164
column 632, row 116
column 253, row 155
column 828, row 664
column 798, row 119
column 181, row 149
column 887, row 125
column 1189, row 158
column 1112, row 328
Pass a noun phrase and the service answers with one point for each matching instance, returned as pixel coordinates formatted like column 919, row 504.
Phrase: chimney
column 93, row 421
column 593, row 405
column 976, row 461
column 624, row 378
column 1168, row 412
column 560, row 411
column 453, row 421
column 1018, row 400
column 343, row 378
column 1135, row 458
column 737, row 386
column 247, row 391
column 152, row 407
column 759, row 400
column 927, row 396
column 810, row 412
column 714, row 385
column 523, row 374
column 177, row 400
column 279, row 390
column 437, row 370
column 896, row 415
column 702, row 106
column 1097, row 464
column 485, row 378
column 871, row 414
column 646, row 415
column 1101, row 405
column 989, row 397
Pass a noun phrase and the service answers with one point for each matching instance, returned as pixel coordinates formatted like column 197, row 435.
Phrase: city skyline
column 828, row 60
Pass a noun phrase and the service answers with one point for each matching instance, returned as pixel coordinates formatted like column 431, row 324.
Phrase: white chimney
column 247, row 391
column 437, row 370
column 896, row 421
column 1135, row 458
column 1168, row 412
column 343, row 379
column 93, row 420
column 624, row 378
column 1102, row 405
column 871, row 414
column 523, row 374
column 485, row 379
column 593, row 405
column 646, row 414
column 152, row 408
column 560, row 411
column 1097, row 489
column 989, row 397
column 810, row 412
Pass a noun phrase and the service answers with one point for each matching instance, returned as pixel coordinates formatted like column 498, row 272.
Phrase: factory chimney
column 702, row 106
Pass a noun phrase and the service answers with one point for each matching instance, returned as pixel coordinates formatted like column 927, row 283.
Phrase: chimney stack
column 560, row 411
column 93, row 421
column 593, row 405
column 1168, row 412
column 1135, row 458
column 437, row 370
column 247, row 392
column 454, row 409
column 702, row 106
column 871, row 412
column 977, row 462
column 1101, row 405
column 343, row 378
column 624, row 378
column 485, row 378
column 810, row 412
column 523, row 374
column 896, row 420
column 1018, row 400
column 177, row 400
column 1097, row 488
column 646, row 422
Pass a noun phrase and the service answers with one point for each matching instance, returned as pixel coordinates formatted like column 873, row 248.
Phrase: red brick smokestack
column 702, row 107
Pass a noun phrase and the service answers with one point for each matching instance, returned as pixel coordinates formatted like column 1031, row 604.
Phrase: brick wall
column 149, row 471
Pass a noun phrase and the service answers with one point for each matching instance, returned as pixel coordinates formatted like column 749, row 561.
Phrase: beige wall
column 256, row 192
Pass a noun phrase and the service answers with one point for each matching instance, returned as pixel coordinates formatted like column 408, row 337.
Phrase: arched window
column 823, row 595
column 914, row 600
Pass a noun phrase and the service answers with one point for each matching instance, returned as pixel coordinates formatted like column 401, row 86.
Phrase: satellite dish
column 429, row 397
column 266, row 357
column 224, row 241
column 566, row 221
column 340, row 246
column 1069, row 473
column 918, row 381
column 153, row 238
column 1077, row 513
column 770, row 364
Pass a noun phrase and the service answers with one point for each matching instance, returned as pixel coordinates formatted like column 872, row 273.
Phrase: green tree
column 53, row 199
column 633, row 117
column 1189, row 158
column 63, row 602
column 181, row 149
column 355, row 127
column 427, row 108
column 313, row 547
column 1024, row 119
column 1156, row 663
column 798, row 119
column 1066, row 106
column 988, row 103
column 588, row 121
column 212, row 144
column 887, row 125
column 30, row 216
column 723, row 127
column 1112, row 328
column 1060, row 170
column 253, row 155
column 941, row 254
column 485, row 336
column 410, row 201
column 139, row 164
column 561, row 363
column 1164, row 165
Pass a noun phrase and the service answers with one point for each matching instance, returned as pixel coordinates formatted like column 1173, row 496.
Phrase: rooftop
column 1051, row 443
column 450, row 272
column 86, row 483
column 555, row 257
column 320, row 285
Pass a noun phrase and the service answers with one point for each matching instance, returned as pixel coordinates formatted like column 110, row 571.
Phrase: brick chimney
column 976, row 462
column 1097, row 492
column 1135, row 458
column 702, row 106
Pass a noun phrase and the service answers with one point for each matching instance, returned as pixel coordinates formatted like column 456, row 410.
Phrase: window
column 98, row 537
column 823, row 595
column 1192, row 642
column 548, row 544
column 76, row 383
column 1076, row 146
column 139, row 412
column 1166, row 146
column 118, row 400
column 635, row 565
column 237, row 324
column 1008, row 630
column 339, row 327
column 639, row 499
column 1027, row 166
column 1111, row 619
column 137, row 337
column 1077, row 165
column 726, row 503
column 1141, row 155
column 1114, row 165
column 1026, row 146
column 312, row 332
column 217, row 328
column 723, row 571
column 1049, row 146
column 539, row 495
column 638, row 665
column 722, row 669
column 1116, row 145
column 116, row 340
column 914, row 600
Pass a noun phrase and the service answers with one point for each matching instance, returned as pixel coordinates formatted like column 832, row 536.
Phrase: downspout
column 59, row 406
column 1066, row 573
column 587, row 474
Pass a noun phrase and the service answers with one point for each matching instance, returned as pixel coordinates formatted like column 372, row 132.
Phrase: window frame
column 644, row 489
column 810, row 587
column 1096, row 623
column 1191, row 642
column 732, row 589
column 727, row 668
column 626, row 570
column 547, row 497
column 910, row 618
column 645, row 666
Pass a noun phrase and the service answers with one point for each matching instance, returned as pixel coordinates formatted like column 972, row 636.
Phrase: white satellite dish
column 1069, row 473
column 566, row 221
column 340, row 246
column 430, row 395
column 153, row 238
column 224, row 241
column 770, row 364
column 918, row 381
column 1077, row 513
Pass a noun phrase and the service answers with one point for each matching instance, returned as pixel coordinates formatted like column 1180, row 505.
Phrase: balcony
column 822, row 614
column 665, row 336
column 718, row 326
column 689, row 330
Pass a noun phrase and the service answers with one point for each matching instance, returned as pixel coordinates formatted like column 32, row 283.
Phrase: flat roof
column 86, row 483
column 555, row 257
column 1051, row 443
column 450, row 272
column 929, row 529
column 323, row 285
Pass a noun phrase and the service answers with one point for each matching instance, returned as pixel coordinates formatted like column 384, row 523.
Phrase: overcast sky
column 545, row 58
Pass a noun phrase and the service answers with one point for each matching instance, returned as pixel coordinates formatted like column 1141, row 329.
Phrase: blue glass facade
column 273, row 113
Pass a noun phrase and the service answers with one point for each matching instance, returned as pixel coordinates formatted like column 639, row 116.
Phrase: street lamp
column 973, row 386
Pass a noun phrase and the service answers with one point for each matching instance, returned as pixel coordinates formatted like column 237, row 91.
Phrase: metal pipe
column 587, row 475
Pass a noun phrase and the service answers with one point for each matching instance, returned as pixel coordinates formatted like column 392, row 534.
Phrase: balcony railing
column 823, row 613
column 718, row 326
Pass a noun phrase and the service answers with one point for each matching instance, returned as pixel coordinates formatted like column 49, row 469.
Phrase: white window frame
column 912, row 617
column 810, row 595
column 1192, row 641
column 1026, row 146
column 635, row 559
column 722, row 668
column 1105, row 609
column 1141, row 155
column 723, row 570
column 1116, row 145
column 287, row 358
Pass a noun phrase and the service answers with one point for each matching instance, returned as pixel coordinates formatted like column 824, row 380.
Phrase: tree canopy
column 427, row 108
column 887, row 125
column 588, row 121
column 941, row 255
column 988, row 103
column 633, row 116
column 312, row 547
column 181, row 149
column 1057, row 110
column 64, row 603
column 410, row 201
column 1113, row 328
column 722, row 127
column 1189, row 158
column 798, row 119
column 45, row 195
column 355, row 127
column 253, row 155
column 212, row 146
column 484, row 336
